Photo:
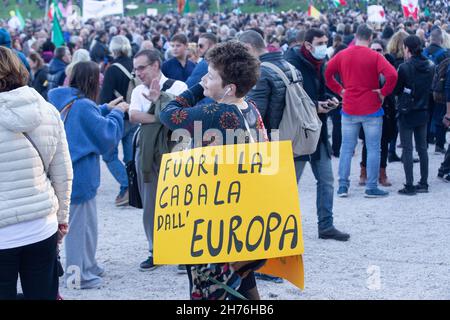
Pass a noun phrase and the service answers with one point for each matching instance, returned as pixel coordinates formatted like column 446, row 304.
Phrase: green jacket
column 154, row 138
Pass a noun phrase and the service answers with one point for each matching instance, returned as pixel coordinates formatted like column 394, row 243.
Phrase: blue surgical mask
column 320, row 52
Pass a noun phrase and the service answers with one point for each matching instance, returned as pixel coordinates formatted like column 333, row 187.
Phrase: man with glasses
column 206, row 42
column 144, row 99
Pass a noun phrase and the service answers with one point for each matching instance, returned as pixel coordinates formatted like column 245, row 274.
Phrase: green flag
column 19, row 16
column 427, row 12
column 57, row 35
column 186, row 7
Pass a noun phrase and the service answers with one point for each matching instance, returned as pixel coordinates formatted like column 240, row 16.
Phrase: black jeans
column 420, row 137
column 37, row 266
column 445, row 166
column 336, row 133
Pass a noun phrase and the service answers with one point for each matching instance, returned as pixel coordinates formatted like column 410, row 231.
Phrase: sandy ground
column 398, row 247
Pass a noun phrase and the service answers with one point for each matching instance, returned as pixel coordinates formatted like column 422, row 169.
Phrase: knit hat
column 5, row 38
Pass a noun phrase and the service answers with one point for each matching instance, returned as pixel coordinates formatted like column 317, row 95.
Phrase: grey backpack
column 300, row 122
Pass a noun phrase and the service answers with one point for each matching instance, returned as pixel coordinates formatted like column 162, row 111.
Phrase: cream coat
column 26, row 193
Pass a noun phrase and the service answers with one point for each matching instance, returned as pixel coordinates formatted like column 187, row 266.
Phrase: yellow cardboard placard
column 229, row 203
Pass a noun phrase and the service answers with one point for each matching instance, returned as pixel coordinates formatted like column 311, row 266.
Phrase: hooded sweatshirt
column 5, row 41
column 28, row 190
column 416, row 74
column 90, row 134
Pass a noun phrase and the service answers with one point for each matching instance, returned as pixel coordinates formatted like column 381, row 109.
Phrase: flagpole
column 46, row 10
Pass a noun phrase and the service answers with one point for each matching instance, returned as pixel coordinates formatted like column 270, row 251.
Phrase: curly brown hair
column 13, row 73
column 235, row 66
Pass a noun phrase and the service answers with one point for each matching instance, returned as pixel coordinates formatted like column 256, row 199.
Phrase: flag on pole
column 57, row 34
column 313, row 12
column 20, row 19
column 187, row 9
column 181, row 4
column 375, row 13
column 339, row 3
column 54, row 11
column 410, row 8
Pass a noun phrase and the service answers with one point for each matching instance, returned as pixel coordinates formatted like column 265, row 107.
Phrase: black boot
column 333, row 233
column 408, row 190
column 393, row 157
column 421, row 187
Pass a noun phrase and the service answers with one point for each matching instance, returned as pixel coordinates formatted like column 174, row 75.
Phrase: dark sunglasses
column 201, row 46
column 378, row 50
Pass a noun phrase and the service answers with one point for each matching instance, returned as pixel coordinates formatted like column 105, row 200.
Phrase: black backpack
column 405, row 101
column 439, row 79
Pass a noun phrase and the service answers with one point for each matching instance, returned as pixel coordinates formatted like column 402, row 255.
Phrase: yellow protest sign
column 228, row 203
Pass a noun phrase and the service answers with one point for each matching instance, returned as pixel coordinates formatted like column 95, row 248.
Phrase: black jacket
column 316, row 90
column 115, row 79
column 419, row 81
column 269, row 94
column 99, row 52
column 40, row 83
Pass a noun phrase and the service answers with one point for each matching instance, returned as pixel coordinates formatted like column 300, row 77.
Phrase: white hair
column 120, row 46
column 81, row 55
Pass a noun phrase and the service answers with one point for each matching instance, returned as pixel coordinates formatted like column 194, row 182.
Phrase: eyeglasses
column 378, row 50
column 141, row 68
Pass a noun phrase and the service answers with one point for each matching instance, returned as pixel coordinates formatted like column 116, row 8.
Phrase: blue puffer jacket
column 91, row 131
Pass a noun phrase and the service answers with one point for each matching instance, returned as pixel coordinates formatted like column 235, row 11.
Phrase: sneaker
column 439, row 150
column 266, row 277
column 408, row 190
column 342, row 192
column 181, row 269
column 147, row 265
column 393, row 157
column 122, row 199
column 443, row 177
column 375, row 193
column 334, row 234
column 421, row 187
column 447, row 178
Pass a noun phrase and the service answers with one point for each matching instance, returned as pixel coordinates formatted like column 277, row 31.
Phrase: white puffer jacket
column 26, row 193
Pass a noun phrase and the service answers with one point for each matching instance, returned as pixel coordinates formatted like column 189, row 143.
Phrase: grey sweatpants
column 82, row 270
column 148, row 196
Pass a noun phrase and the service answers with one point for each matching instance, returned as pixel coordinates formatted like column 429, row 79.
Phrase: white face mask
column 320, row 52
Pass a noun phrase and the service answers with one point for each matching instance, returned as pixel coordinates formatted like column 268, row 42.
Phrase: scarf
column 317, row 64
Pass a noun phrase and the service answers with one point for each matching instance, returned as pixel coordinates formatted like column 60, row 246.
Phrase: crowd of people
column 136, row 79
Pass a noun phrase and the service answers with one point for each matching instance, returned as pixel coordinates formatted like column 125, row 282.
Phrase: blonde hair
column 395, row 45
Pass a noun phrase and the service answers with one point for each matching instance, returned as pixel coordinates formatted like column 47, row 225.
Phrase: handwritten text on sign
column 227, row 203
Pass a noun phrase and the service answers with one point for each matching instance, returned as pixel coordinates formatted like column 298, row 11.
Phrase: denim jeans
column 437, row 126
column 445, row 166
column 372, row 127
column 111, row 158
column 420, row 137
column 323, row 173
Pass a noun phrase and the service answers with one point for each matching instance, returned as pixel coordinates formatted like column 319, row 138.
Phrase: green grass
column 33, row 12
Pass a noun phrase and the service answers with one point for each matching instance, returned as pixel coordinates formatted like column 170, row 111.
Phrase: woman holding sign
column 232, row 72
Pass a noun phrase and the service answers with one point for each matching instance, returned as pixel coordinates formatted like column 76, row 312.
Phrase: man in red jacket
column 359, row 70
